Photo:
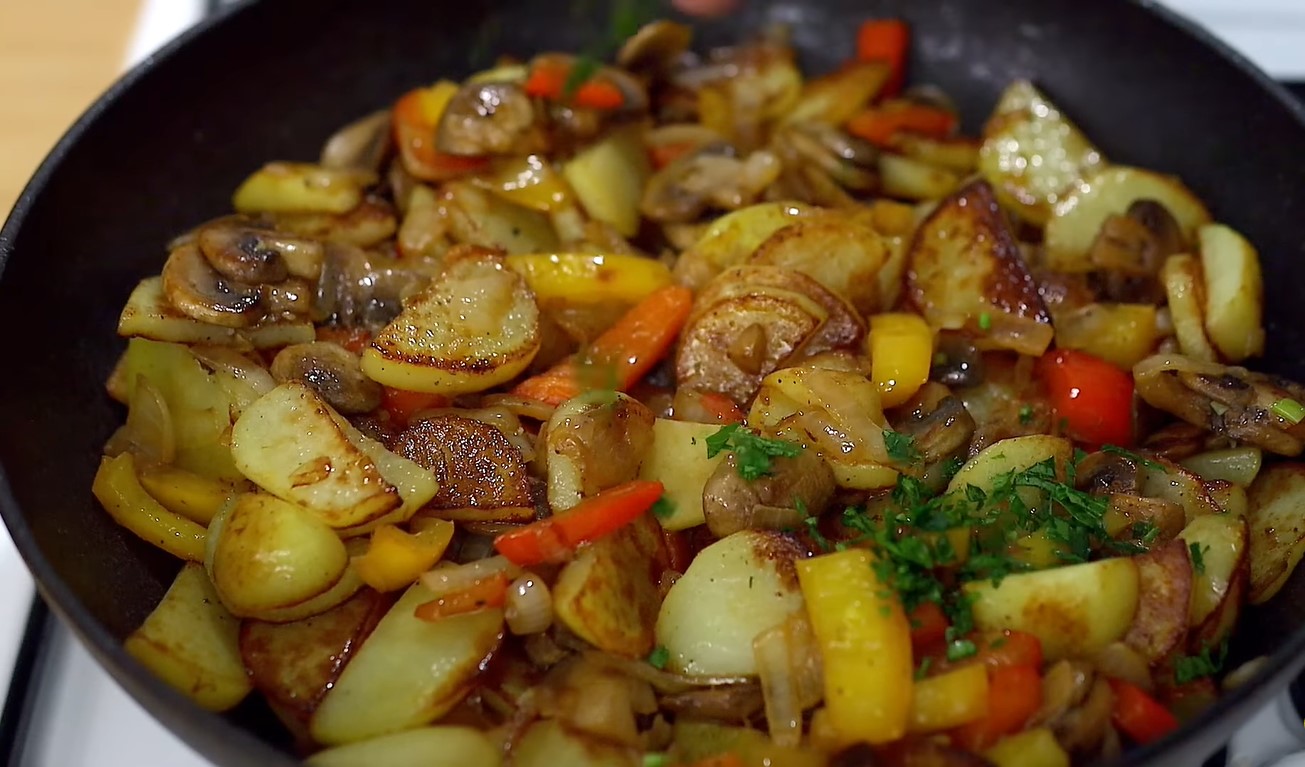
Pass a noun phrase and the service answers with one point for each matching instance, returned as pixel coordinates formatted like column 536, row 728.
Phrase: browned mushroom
column 253, row 254
column 1227, row 400
column 357, row 289
column 710, row 177
column 724, row 703
column 361, row 145
column 655, row 46
column 494, row 118
column 795, row 488
column 938, row 422
column 197, row 290
column 330, row 370
column 1130, row 249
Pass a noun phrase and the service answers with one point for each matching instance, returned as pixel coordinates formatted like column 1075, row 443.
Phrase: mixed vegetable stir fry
column 685, row 410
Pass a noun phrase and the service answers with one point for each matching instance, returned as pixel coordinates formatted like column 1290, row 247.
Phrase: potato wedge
column 367, row 225
column 290, row 444
column 833, row 98
column 733, row 590
column 474, row 216
column 189, row 641
column 284, row 187
column 608, row 178
column 966, row 271
column 272, row 554
column 1124, row 334
column 121, row 494
column 1014, row 455
column 1219, row 584
column 1032, row 154
column 959, row 155
column 729, row 347
column 1276, row 526
column 149, row 315
column 480, row 472
column 837, row 251
column 1075, row 610
column 548, row 744
column 608, row 595
column 1078, row 217
column 907, row 178
column 1184, row 284
column 349, row 584
column 733, row 237
column 1168, row 481
column 1234, row 292
column 592, row 442
column 1231, row 499
column 678, row 459
column 434, row 345
column 1164, row 591
column 294, row 664
column 407, row 673
column 444, row 746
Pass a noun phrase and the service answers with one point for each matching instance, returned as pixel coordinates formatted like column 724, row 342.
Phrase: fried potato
column 907, row 178
column 474, row 216
column 436, row 345
column 733, row 237
column 608, row 179
column 442, row 746
column 843, row 328
column 1124, row 334
column 1277, row 528
column 1165, row 588
column 1219, row 584
column 833, row 98
column 369, row 223
column 1032, row 154
column 1234, row 293
column 481, row 474
column 1184, row 283
column 678, row 459
column 966, row 271
column 837, row 251
column 148, row 315
column 284, row 187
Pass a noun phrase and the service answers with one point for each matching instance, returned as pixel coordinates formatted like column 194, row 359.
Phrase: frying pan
column 163, row 149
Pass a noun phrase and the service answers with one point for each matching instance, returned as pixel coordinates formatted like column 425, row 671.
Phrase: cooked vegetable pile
column 684, row 410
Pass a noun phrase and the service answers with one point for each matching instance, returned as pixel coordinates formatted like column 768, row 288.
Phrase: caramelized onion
column 529, row 607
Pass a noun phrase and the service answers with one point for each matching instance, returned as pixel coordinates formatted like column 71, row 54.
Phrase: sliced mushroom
column 361, row 145
column 361, row 290
column 1105, row 473
column 330, row 370
column 848, row 161
column 731, row 503
column 1226, row 400
column 494, row 118
column 1130, row 249
column 711, row 177
column 956, row 362
column 197, row 290
column 252, row 254
column 938, row 422
column 289, row 300
column 655, row 47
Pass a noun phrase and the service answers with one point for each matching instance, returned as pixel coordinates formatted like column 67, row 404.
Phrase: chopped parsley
column 901, row 447
column 656, row 760
column 1189, row 668
column 960, row 649
column 1140, row 460
column 922, row 670
column 627, row 16
column 1289, row 410
column 1198, row 557
column 659, row 657
column 951, row 466
column 985, row 321
column 812, row 523
column 752, row 454
column 1026, row 414
column 664, row 508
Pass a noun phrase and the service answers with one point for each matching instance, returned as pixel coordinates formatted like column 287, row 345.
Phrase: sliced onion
column 662, row 681
column 1119, row 661
column 774, row 666
column 148, row 434
column 453, row 579
column 529, row 607
column 522, row 407
column 1243, row 673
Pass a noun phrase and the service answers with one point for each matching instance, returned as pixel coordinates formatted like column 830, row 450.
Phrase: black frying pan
column 166, row 146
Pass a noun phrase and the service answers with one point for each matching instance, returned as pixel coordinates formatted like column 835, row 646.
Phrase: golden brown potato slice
column 1234, row 292
column 189, row 641
column 284, row 187
column 1277, row 527
column 478, row 217
column 294, row 664
column 592, row 442
column 1219, row 585
column 1184, row 285
column 733, row 237
column 437, row 345
column 836, row 250
column 966, row 271
column 1032, row 153
column 482, row 475
column 844, row 328
column 732, row 345
column 678, row 459
column 444, row 746
column 1164, row 590
column 370, row 223
column 547, row 744
column 608, row 179
column 608, row 595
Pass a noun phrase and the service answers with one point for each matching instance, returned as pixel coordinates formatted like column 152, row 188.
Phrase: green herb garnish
column 1198, row 557
column 664, row 508
column 752, row 454
column 922, row 670
column 626, row 19
column 960, row 649
column 659, row 657
column 1289, row 410
column 1189, row 668
column 1026, row 414
column 901, row 447
column 1140, row 460
column 985, row 321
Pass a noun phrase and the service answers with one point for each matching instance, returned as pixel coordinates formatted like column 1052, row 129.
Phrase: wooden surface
column 56, row 56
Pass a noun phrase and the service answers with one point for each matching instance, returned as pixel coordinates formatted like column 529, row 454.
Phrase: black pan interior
column 271, row 80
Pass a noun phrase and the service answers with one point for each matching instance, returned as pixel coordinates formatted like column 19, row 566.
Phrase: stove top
column 55, row 688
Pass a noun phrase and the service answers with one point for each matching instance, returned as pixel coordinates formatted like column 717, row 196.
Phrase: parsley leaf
column 664, row 508
column 1026, row 414
column 1140, row 460
column 922, row 670
column 752, row 454
column 1198, row 557
column 1192, row 667
column 812, row 523
column 960, row 649
column 901, row 447
column 659, row 657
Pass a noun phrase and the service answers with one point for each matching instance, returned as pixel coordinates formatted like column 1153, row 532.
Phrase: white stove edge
column 114, row 731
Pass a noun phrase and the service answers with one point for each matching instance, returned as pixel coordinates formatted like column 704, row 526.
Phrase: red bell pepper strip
column 1093, row 397
column 548, row 80
column 628, row 349
column 886, row 40
column 928, row 628
column 1012, row 648
column 1014, row 696
column 555, row 538
column 489, row 592
column 1139, row 715
column 880, row 125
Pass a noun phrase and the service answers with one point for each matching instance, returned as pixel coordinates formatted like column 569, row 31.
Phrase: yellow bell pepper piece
column 121, row 494
column 186, row 493
column 529, row 182
column 285, row 187
column 901, row 349
column 949, row 700
column 588, row 278
column 395, row 558
column 865, row 641
column 1032, row 748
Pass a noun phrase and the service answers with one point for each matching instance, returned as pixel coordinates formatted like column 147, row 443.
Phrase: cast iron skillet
column 165, row 147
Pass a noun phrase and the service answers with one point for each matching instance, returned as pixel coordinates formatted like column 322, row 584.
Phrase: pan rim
column 203, row 734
